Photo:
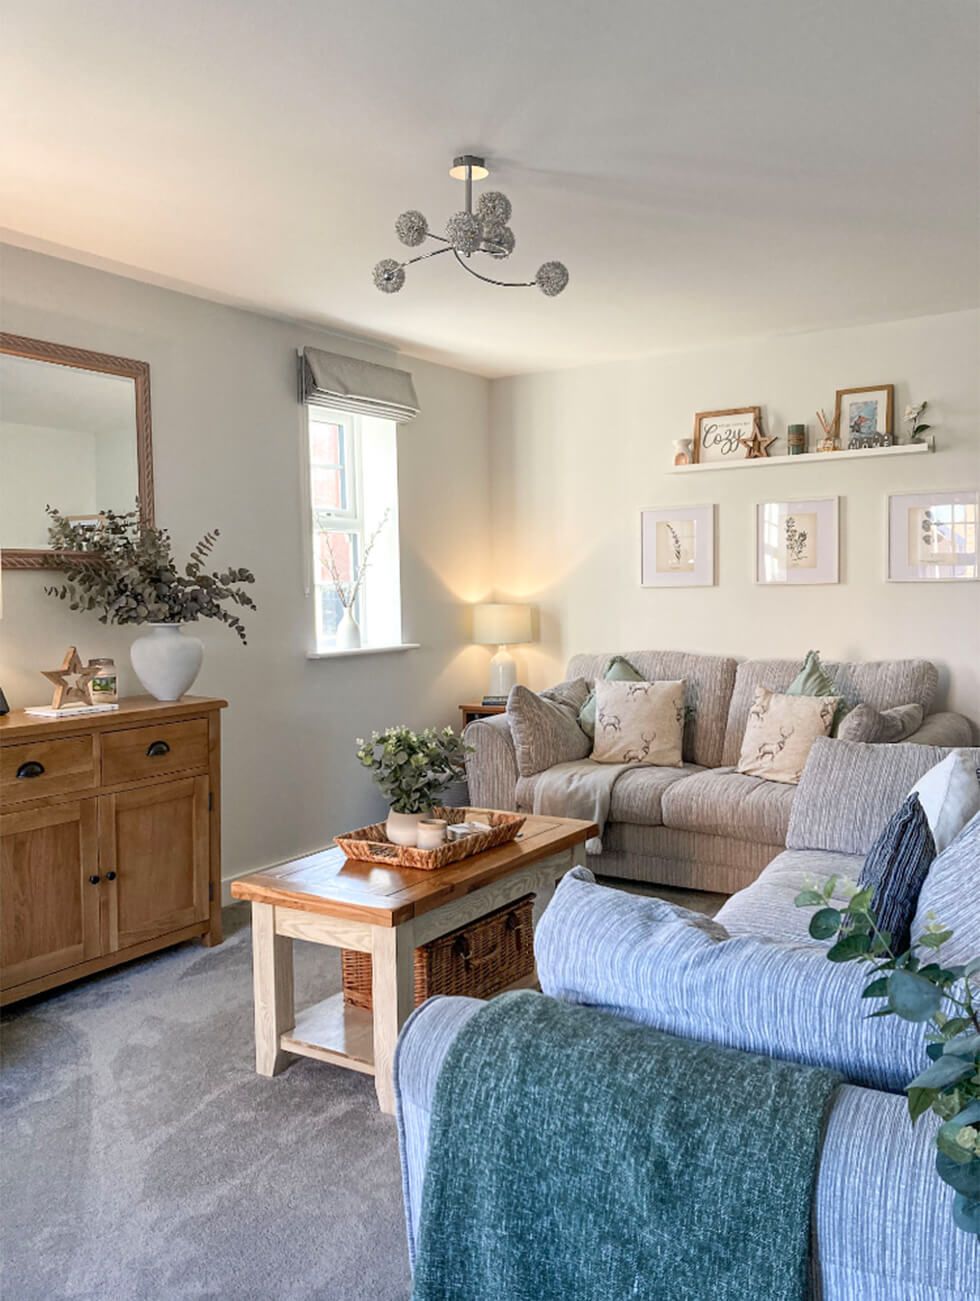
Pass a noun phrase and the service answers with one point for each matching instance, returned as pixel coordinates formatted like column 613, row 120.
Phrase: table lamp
column 501, row 626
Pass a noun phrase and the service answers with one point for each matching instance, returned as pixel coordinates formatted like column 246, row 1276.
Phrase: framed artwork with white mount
column 932, row 536
column 677, row 547
column 797, row 542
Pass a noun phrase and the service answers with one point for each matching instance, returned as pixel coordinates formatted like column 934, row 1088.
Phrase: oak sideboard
column 110, row 838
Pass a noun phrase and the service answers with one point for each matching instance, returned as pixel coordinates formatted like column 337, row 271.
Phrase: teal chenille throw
column 575, row 1156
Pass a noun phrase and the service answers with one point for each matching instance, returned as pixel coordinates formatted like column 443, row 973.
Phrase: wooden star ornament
column 68, row 692
column 757, row 446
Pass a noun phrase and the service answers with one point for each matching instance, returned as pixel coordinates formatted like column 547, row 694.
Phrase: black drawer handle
column 110, row 876
column 30, row 769
column 94, row 880
column 156, row 748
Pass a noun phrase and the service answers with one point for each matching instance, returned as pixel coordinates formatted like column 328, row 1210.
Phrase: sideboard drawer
column 54, row 767
column 150, row 751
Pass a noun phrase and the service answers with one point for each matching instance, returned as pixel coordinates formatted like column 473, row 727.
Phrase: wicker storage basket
column 480, row 959
column 371, row 844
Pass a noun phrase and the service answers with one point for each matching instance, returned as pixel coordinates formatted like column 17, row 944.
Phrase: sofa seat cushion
column 723, row 802
column 766, row 906
column 636, row 797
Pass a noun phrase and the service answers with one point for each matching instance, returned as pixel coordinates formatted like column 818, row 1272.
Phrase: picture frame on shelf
column 933, row 536
column 677, row 547
column 797, row 542
column 718, row 434
column 864, row 417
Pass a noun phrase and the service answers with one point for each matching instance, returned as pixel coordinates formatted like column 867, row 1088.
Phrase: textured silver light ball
column 389, row 275
column 552, row 278
column 503, row 243
column 411, row 228
column 493, row 206
column 463, row 232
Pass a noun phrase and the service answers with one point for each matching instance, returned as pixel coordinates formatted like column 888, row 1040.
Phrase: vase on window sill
column 348, row 636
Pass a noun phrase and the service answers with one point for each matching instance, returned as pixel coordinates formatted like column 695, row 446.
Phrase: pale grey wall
column 226, row 453
column 578, row 453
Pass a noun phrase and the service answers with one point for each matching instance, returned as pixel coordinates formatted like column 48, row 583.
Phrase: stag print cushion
column 639, row 722
column 780, row 731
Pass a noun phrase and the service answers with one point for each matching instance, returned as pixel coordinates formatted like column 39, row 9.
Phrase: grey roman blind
column 329, row 380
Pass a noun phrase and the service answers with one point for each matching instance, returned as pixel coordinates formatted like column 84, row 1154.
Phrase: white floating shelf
column 744, row 463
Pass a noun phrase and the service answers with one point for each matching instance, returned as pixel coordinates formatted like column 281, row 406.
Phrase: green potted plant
column 130, row 574
column 413, row 771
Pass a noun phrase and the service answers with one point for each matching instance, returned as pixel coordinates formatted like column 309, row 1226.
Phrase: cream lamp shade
column 501, row 625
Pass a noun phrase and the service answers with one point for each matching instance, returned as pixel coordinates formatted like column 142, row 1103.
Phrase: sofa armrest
column 868, row 1140
column 422, row 1046
column 943, row 729
column 491, row 767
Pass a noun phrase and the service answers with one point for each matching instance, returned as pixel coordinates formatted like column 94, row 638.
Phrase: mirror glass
column 67, row 438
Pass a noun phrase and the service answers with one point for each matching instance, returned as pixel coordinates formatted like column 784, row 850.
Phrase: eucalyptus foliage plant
column 413, row 769
column 918, row 986
column 131, row 575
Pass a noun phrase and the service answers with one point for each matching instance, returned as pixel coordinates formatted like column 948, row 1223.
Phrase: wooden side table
column 470, row 712
column 387, row 912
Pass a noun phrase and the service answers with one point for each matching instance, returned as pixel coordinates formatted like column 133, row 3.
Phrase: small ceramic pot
column 431, row 833
column 403, row 828
column 348, row 636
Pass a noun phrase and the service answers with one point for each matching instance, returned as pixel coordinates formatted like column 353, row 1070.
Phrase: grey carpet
column 143, row 1158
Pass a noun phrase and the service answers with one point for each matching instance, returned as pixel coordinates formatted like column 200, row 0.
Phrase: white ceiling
column 708, row 169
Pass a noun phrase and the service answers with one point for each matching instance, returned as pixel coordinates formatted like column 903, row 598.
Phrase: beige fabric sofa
column 704, row 826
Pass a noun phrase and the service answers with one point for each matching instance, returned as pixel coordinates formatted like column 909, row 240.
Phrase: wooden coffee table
column 387, row 912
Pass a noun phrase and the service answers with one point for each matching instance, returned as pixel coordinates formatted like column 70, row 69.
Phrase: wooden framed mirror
column 75, row 433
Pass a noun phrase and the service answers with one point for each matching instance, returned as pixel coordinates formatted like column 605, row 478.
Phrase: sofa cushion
column 950, row 894
column 726, row 803
column 895, row 868
column 619, row 669
column 637, row 797
column 814, row 680
column 709, row 679
column 639, row 722
column 850, row 790
column 883, row 684
column 626, row 954
column 880, row 727
column 767, row 907
column 545, row 727
column 950, row 795
column 780, row 731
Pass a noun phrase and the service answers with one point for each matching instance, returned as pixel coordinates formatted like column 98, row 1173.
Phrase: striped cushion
column 644, row 960
column 951, row 892
column 896, row 867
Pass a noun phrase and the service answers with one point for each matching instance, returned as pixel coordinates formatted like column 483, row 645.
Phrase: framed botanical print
column 864, row 415
column 717, row 434
column 677, row 547
column 932, row 536
column 797, row 541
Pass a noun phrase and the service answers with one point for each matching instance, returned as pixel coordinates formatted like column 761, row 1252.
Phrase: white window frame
column 378, row 606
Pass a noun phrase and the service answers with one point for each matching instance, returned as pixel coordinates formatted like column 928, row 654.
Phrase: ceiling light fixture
column 467, row 232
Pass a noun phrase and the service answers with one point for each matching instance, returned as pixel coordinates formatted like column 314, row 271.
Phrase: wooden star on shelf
column 68, row 692
column 757, row 446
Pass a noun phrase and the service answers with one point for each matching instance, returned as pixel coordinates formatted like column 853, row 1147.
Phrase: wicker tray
column 371, row 844
column 477, row 960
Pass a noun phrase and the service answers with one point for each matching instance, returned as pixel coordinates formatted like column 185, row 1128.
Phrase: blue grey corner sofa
column 882, row 1226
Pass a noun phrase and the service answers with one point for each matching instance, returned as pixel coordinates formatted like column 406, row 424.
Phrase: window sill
column 363, row 650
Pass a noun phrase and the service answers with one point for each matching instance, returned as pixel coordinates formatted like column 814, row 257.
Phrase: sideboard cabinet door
column 155, row 858
column 49, row 890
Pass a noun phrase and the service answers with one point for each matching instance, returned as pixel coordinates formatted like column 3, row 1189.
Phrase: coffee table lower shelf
column 334, row 1031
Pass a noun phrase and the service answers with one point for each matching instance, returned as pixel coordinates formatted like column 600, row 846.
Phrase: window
column 353, row 477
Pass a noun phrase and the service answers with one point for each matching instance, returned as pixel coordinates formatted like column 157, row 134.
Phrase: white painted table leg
column 393, row 996
column 272, row 975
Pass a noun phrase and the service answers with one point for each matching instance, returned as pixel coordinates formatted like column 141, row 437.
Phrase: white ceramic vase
column 166, row 660
column 348, row 633
column 403, row 828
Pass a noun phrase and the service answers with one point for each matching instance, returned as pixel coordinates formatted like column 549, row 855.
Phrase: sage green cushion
column 814, row 680
column 619, row 670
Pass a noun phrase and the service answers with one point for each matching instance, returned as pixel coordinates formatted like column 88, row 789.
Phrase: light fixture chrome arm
column 505, row 284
